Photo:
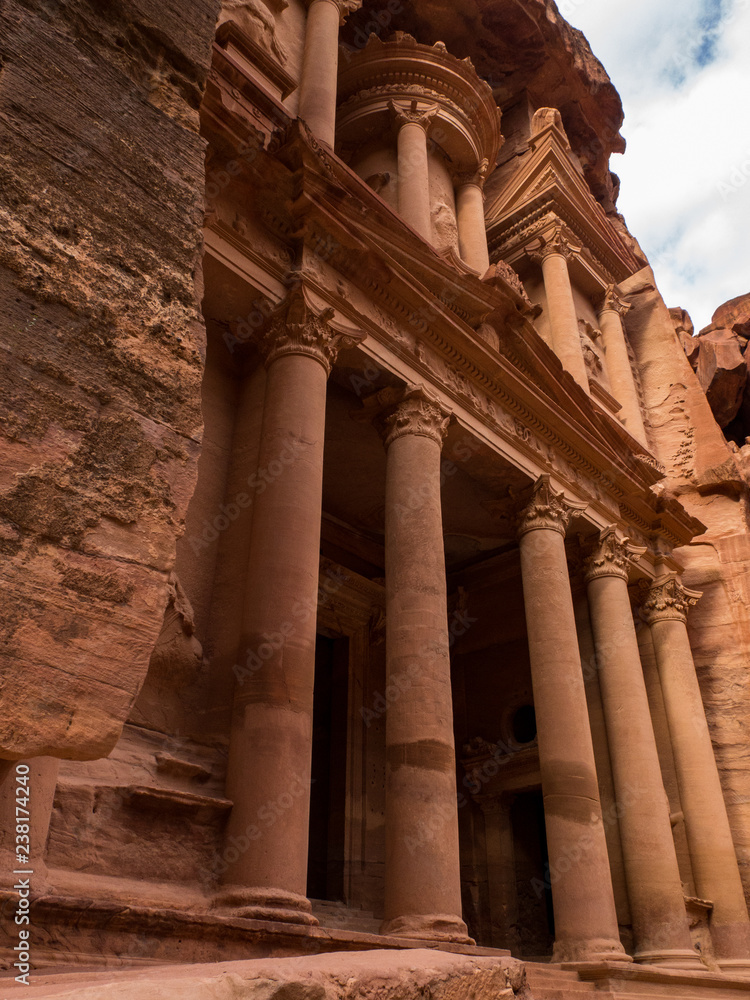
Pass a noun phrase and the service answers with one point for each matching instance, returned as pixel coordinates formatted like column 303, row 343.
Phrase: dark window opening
column 523, row 725
column 325, row 863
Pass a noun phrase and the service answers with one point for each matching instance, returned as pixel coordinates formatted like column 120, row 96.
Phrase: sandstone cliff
column 101, row 173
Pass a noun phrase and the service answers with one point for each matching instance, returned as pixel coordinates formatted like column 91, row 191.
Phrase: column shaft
column 423, row 885
column 414, row 178
column 715, row 867
column 607, row 794
column 563, row 318
column 660, row 923
column 620, row 373
column 268, row 776
column 320, row 59
column 472, row 234
column 582, row 896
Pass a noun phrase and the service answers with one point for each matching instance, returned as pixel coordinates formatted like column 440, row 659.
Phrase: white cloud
column 683, row 73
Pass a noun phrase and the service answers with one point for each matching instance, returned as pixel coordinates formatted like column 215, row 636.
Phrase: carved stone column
column 472, row 234
column 317, row 99
column 619, row 368
column 268, row 778
column 413, row 165
column 717, row 877
column 563, row 317
column 660, row 924
column 422, row 868
column 582, row 896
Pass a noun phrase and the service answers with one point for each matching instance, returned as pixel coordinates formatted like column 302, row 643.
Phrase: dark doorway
column 536, row 926
column 325, row 865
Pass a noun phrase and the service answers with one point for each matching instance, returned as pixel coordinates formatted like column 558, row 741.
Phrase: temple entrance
column 536, row 926
column 325, row 865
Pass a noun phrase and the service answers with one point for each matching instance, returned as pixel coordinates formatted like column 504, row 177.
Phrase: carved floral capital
column 614, row 302
column 554, row 242
column 547, row 509
column 413, row 114
column 411, row 410
column 613, row 556
column 295, row 328
column 666, row 600
column 476, row 177
column 344, row 7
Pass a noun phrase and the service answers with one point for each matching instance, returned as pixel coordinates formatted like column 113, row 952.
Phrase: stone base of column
column 266, row 904
column 677, row 959
column 590, row 950
column 739, row 967
column 428, row 927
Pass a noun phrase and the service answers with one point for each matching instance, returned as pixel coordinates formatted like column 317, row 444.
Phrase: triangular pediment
column 548, row 180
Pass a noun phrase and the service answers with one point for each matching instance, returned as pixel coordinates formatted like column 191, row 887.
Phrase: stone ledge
column 402, row 975
column 80, row 931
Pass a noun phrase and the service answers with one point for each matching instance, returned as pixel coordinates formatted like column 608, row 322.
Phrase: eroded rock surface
column 101, row 170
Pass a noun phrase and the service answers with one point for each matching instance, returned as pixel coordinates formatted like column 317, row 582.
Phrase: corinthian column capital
column 476, row 177
column 295, row 328
column 413, row 114
column 411, row 410
column 666, row 600
column 613, row 556
column 613, row 302
column 344, row 7
column 551, row 242
column 547, row 509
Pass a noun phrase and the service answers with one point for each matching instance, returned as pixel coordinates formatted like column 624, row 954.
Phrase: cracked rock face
column 101, row 169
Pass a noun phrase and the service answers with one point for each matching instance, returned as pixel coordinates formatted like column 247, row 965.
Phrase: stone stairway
column 337, row 915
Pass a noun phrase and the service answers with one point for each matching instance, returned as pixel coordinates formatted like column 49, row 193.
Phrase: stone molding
column 613, row 556
column 666, row 599
column 411, row 410
column 295, row 328
column 547, row 509
column 613, row 302
column 413, row 115
column 344, row 7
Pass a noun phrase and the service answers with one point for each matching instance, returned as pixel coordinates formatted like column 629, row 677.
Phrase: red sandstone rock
column 103, row 343
column 733, row 315
column 722, row 373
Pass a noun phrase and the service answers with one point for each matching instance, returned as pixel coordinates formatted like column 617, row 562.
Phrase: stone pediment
column 548, row 179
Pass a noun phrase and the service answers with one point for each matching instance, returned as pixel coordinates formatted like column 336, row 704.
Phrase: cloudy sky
column 682, row 68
